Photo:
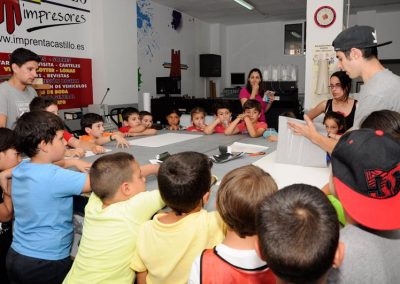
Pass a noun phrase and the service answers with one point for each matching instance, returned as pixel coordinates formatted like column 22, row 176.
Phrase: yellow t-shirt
column 167, row 251
column 109, row 239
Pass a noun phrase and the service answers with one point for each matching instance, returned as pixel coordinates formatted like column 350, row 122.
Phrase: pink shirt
column 244, row 94
column 219, row 128
column 243, row 129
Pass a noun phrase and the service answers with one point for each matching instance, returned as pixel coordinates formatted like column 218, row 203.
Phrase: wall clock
column 324, row 16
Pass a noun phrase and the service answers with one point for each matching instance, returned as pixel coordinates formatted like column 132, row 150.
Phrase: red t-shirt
column 243, row 129
column 67, row 135
column 194, row 129
column 124, row 129
column 219, row 128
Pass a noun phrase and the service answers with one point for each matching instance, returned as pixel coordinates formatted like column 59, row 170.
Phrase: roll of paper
column 147, row 102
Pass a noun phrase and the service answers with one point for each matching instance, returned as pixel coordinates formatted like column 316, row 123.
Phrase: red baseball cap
column 366, row 174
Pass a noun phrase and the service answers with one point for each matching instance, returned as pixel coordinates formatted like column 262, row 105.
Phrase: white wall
column 155, row 44
column 387, row 28
column 115, row 51
column 254, row 45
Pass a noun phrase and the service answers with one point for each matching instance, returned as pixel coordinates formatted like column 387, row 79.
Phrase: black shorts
column 24, row 269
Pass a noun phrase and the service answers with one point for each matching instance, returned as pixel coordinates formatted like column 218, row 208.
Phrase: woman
column 340, row 85
column 254, row 91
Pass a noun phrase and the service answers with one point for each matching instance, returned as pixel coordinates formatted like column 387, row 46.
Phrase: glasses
column 335, row 86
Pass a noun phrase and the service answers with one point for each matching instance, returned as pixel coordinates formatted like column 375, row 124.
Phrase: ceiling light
column 244, row 4
column 295, row 34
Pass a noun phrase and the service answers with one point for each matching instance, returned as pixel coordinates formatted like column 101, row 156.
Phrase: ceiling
column 228, row 12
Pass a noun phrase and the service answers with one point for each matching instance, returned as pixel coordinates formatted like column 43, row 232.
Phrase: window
column 295, row 39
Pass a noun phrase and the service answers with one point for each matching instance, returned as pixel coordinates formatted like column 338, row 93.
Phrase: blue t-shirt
column 42, row 198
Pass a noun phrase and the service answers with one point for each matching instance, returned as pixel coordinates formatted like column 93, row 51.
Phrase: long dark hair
column 345, row 82
column 386, row 120
column 248, row 86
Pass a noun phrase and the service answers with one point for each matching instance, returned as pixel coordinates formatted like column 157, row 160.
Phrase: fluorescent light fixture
column 244, row 4
column 295, row 34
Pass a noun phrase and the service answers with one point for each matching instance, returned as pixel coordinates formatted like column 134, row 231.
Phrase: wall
column 115, row 52
column 387, row 28
column 255, row 45
column 156, row 39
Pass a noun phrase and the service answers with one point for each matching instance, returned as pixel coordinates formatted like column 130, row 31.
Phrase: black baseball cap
column 366, row 174
column 357, row 37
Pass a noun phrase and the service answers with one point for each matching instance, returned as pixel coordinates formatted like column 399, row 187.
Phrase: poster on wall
column 324, row 65
column 59, row 31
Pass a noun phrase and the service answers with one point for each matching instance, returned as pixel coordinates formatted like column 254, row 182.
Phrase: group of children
column 245, row 123
column 257, row 235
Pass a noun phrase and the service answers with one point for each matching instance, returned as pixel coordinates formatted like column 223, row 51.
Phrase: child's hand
column 121, row 142
column 82, row 165
column 241, row 116
column 174, row 127
column 273, row 138
column 97, row 149
column 77, row 153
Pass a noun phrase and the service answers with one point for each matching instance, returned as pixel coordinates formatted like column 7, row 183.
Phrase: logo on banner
column 14, row 12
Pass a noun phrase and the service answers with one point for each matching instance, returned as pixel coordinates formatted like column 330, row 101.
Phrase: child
column 386, row 120
column 365, row 168
column 335, row 124
column 92, row 125
column 146, row 118
column 42, row 197
column 222, row 119
column 248, row 121
column 132, row 124
column 271, row 134
column 50, row 105
column 173, row 119
column 167, row 245
column 298, row 234
column 235, row 260
column 9, row 158
column 118, row 205
column 197, row 116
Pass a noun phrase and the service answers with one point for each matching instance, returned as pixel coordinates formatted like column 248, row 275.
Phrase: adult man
column 17, row 92
column 356, row 50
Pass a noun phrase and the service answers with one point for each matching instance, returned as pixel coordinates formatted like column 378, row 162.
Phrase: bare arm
column 316, row 111
column 81, row 165
column 308, row 130
column 209, row 129
column 86, row 186
column 137, row 129
column 251, row 130
column 141, row 277
column 232, row 128
column 6, row 208
column 149, row 169
column 86, row 145
column 3, row 120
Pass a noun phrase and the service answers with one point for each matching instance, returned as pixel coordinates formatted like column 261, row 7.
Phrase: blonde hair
column 239, row 195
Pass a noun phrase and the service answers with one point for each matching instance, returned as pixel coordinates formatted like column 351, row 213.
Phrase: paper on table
column 247, row 148
column 163, row 139
column 298, row 150
column 90, row 153
column 285, row 174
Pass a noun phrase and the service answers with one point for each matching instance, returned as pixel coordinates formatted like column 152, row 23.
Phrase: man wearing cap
column 366, row 179
column 356, row 50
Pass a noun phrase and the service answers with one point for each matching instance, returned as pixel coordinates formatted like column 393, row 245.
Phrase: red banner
column 70, row 79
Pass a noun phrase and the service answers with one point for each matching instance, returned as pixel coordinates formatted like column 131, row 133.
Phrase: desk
column 207, row 144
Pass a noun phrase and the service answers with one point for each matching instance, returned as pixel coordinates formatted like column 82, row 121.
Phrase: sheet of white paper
column 90, row 153
column 285, row 174
column 163, row 139
column 296, row 149
column 247, row 148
